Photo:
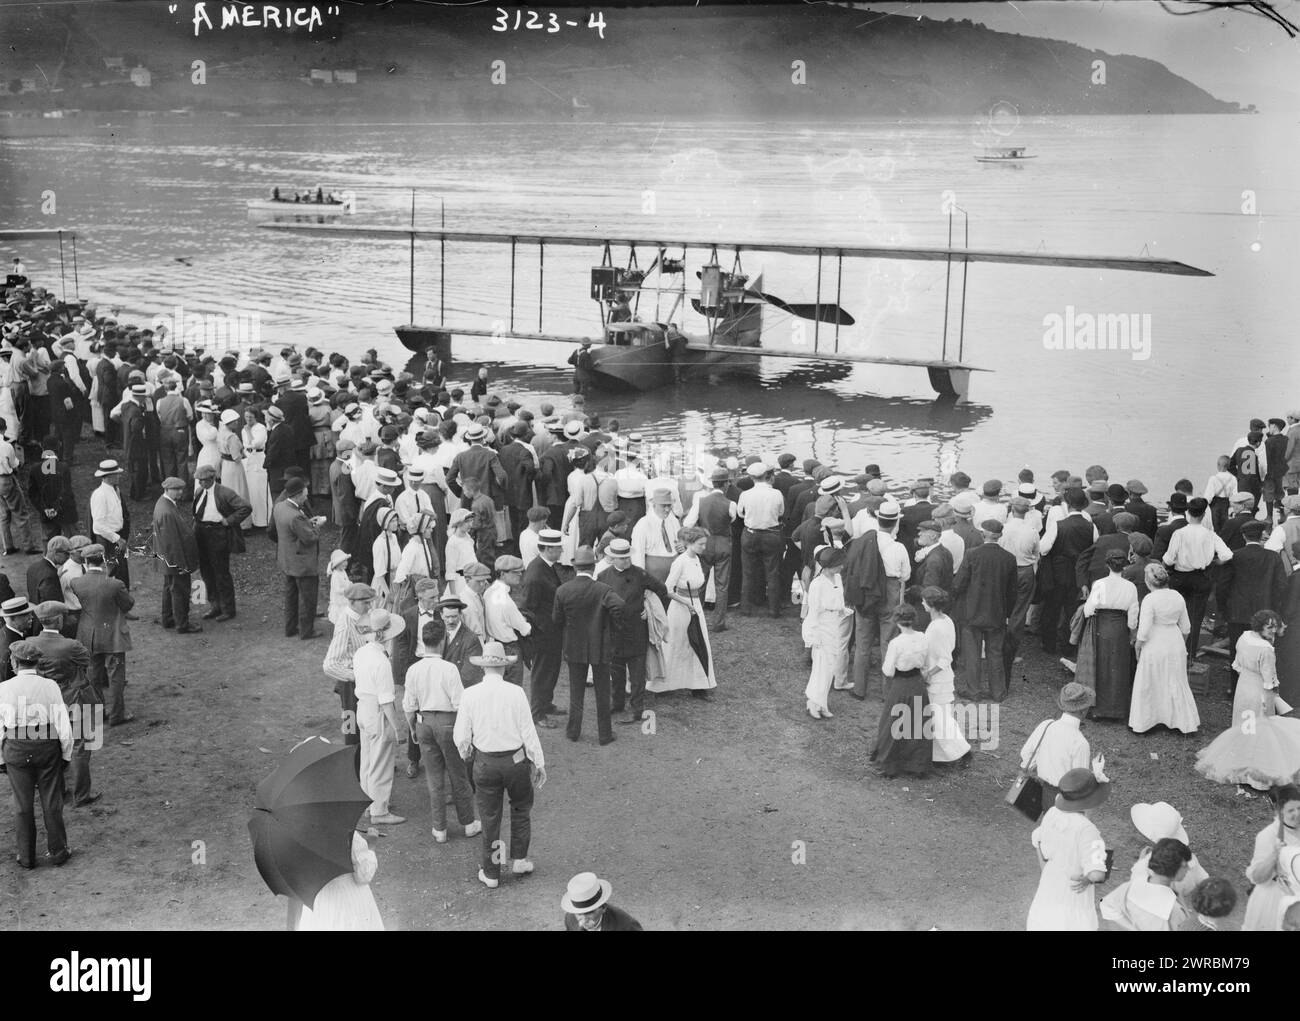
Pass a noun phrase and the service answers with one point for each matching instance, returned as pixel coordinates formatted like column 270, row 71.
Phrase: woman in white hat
column 419, row 559
column 1156, row 822
column 254, row 436
column 231, row 444
column 587, row 908
column 681, row 661
column 386, row 552
column 1072, row 857
column 459, row 553
column 207, row 430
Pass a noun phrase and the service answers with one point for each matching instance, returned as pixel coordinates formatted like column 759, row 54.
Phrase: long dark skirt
column 1105, row 663
column 1288, row 646
column 901, row 742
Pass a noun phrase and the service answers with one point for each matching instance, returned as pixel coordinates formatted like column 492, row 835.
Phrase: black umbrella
column 695, row 635
column 306, row 813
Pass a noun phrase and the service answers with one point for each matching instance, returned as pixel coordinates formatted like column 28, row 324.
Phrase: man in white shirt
column 1020, row 539
column 761, row 543
column 631, row 482
column 990, row 505
column 37, row 749
column 108, row 520
column 654, row 537
column 501, row 617
column 948, row 537
column 530, row 536
column 1192, row 549
column 1057, row 746
column 364, row 470
column 495, row 727
column 413, row 501
column 378, row 721
column 431, row 700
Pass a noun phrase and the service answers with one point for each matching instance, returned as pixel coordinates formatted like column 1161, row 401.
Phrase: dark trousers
column 77, row 778
column 176, row 599
column 347, row 691
column 1058, row 607
column 623, row 669
column 442, row 766
column 717, row 558
column 176, row 454
column 761, row 556
column 214, row 566
column 115, row 561
column 983, row 667
column 36, row 767
column 545, row 672
column 496, row 776
column 1016, row 623
column 300, row 605
column 1194, row 587
column 137, row 468
column 578, row 696
column 348, row 536
column 518, row 525
column 108, row 674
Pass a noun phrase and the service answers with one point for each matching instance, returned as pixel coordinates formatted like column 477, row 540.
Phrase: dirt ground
column 740, row 813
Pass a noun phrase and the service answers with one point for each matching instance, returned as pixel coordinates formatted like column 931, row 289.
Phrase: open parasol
column 306, row 813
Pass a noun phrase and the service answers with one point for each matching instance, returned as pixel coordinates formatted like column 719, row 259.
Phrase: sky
column 1232, row 54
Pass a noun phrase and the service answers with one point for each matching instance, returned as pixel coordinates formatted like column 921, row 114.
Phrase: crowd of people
column 481, row 545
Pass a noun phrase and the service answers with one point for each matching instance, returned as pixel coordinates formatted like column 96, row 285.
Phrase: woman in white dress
column 1262, row 747
column 682, row 669
column 419, row 559
column 96, row 409
column 459, row 553
column 1072, row 857
column 950, row 744
column 207, row 431
column 1161, row 694
column 827, row 628
column 386, row 553
column 1265, row 864
column 345, row 903
column 259, row 493
column 231, row 445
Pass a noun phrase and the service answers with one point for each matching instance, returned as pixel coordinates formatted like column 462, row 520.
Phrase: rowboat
column 341, row 204
column 1007, row 154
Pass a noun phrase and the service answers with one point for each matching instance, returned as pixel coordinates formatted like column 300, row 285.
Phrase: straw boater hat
column 830, row 485
column 888, row 512
column 15, row 607
column 618, row 548
column 550, row 537
column 108, row 468
column 1076, row 697
column 387, row 477
column 586, row 892
column 494, row 654
column 1080, row 791
column 1158, row 821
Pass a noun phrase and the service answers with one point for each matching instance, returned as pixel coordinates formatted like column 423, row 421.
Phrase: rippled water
column 146, row 195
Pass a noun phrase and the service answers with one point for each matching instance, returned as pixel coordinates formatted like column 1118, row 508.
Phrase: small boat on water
column 1004, row 154
column 306, row 203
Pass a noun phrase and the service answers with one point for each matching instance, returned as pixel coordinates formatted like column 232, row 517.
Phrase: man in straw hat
column 347, row 639
column 591, row 614
column 18, row 623
column 1057, row 746
column 380, row 724
column 37, row 747
column 494, row 728
column 587, row 908
column 542, row 577
column 110, row 522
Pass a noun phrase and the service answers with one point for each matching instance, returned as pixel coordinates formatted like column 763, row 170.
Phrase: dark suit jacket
column 553, row 475
column 517, row 463
column 6, row 589
column 43, row 582
column 590, row 614
column 910, row 521
column 67, row 662
column 280, row 454
column 173, row 539
column 1257, row 580
column 984, row 590
column 459, row 650
column 297, row 418
column 1091, row 565
column 1231, row 534
column 1146, row 515
column 297, row 540
column 482, row 463
column 231, row 506
column 538, row 585
column 105, row 602
column 613, row 920
column 935, row 569
column 1163, row 536
column 633, row 636
column 968, row 533
column 864, row 573
column 7, row 638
